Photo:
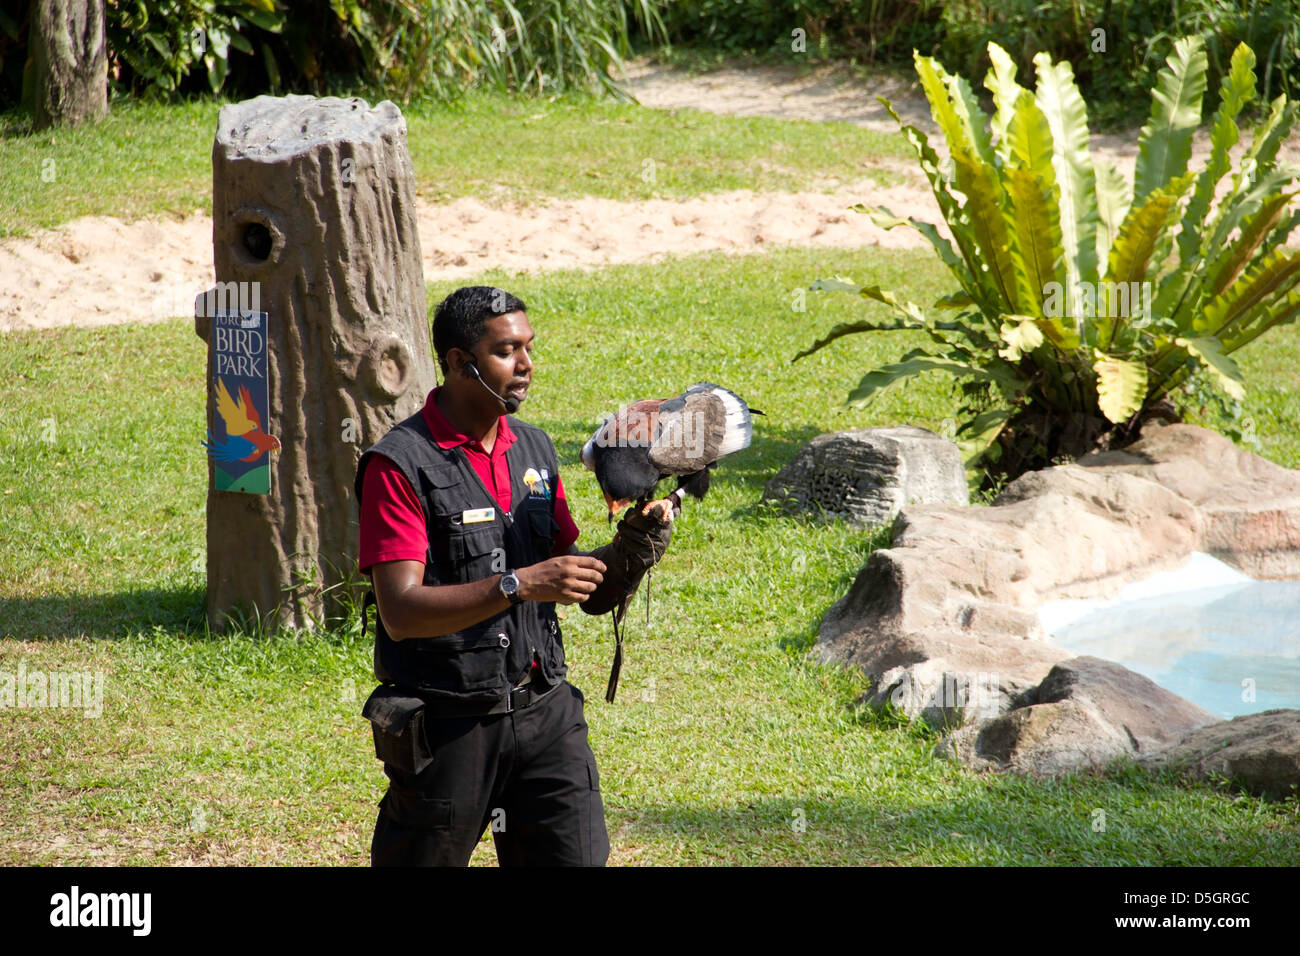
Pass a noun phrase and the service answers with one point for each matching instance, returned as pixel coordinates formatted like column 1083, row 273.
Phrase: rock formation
column 944, row 620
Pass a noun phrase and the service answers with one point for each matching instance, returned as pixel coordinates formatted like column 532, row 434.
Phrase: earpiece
column 511, row 404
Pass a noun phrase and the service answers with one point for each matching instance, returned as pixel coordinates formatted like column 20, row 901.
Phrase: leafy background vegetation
column 439, row 48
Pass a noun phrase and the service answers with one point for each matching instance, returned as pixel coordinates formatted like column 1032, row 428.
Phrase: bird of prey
column 245, row 439
column 647, row 441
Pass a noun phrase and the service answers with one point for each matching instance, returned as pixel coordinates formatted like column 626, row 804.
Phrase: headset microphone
column 511, row 404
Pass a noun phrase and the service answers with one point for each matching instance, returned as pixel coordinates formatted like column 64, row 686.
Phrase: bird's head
column 262, row 441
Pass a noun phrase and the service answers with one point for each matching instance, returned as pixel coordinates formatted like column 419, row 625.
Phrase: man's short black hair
column 458, row 320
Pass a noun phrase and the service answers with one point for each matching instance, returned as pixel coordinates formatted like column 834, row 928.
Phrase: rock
column 1150, row 716
column 931, row 649
column 947, row 692
column 1043, row 738
column 1086, row 713
column 1250, row 506
column 1259, row 753
column 868, row 475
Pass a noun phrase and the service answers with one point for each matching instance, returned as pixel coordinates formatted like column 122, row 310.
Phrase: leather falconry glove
column 640, row 541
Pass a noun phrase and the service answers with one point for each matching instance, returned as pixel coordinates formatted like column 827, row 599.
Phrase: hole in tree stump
column 257, row 240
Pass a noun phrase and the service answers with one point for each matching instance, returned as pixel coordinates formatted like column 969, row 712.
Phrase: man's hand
column 568, row 579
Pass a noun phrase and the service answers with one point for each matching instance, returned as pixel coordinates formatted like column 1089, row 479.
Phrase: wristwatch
column 509, row 585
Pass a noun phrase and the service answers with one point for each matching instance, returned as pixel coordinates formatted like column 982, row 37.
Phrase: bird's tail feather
column 739, row 424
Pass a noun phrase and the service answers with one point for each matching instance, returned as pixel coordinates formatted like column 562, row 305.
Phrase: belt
column 520, row 698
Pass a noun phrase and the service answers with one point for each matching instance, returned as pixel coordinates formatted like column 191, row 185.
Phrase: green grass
column 726, row 746
column 150, row 159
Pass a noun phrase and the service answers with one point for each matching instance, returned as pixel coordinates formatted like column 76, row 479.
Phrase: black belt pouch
column 397, row 720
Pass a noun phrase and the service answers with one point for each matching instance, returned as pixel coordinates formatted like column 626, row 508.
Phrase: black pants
column 529, row 775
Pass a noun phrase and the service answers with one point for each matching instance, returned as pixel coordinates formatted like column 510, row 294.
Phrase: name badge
column 478, row 515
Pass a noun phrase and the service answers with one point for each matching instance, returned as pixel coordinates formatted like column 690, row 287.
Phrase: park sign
column 238, row 440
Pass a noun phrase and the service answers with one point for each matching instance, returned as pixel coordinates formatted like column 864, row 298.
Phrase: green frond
column 1228, row 265
column 1236, row 90
column 1165, row 143
column 912, row 366
column 1113, row 202
column 975, row 437
column 1270, row 135
column 1143, row 227
column 1001, row 82
column 884, row 219
column 1121, row 386
column 1067, row 117
column 1209, row 352
column 985, row 290
column 974, row 174
column 1272, row 277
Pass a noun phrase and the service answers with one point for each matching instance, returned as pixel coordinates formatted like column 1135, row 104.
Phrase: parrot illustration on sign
column 245, row 439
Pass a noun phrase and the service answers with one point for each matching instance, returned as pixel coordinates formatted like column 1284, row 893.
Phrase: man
column 469, row 543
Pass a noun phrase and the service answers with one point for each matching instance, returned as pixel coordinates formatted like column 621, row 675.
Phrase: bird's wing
column 233, row 450
column 237, row 422
column 248, row 408
column 634, row 426
column 699, row 427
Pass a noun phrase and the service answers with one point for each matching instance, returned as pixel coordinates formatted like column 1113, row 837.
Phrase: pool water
column 1205, row 631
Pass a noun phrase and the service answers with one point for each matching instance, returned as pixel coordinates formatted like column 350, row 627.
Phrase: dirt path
column 77, row 274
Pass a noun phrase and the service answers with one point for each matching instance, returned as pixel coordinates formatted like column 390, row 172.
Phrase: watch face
column 510, row 585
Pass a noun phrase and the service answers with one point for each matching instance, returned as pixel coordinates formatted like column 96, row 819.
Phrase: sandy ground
column 76, row 274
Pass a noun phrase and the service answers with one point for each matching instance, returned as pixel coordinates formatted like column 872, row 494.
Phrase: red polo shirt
column 392, row 519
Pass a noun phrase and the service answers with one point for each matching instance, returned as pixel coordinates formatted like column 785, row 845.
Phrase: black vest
column 486, row 660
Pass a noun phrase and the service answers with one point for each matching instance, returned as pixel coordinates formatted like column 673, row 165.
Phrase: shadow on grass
column 1007, row 822
column 61, row 617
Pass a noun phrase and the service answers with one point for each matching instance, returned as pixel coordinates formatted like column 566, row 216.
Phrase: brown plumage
column 653, row 439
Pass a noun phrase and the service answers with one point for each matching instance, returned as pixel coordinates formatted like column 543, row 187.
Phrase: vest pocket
column 466, row 554
column 543, row 529
column 465, row 662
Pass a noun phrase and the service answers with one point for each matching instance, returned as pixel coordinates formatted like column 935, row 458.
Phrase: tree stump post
column 314, row 219
column 67, row 75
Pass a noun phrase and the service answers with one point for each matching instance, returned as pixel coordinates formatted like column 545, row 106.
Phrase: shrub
column 441, row 47
column 158, row 45
column 406, row 48
column 1117, row 48
column 864, row 29
column 1083, row 303
column 1113, row 70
